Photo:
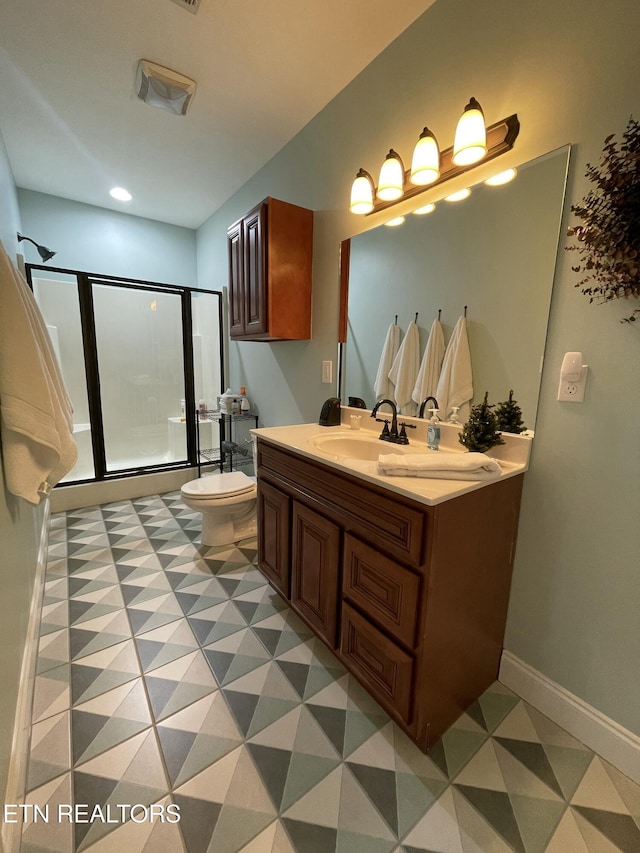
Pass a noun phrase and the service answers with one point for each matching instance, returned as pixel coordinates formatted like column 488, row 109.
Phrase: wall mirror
column 494, row 252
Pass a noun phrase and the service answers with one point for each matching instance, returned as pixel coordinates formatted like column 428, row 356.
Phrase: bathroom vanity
column 405, row 579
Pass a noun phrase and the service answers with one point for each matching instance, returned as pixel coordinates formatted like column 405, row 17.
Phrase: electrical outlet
column 327, row 371
column 573, row 392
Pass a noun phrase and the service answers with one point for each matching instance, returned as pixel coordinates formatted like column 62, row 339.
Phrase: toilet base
column 221, row 529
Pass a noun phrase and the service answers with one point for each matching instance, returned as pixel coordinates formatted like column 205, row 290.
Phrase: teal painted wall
column 94, row 239
column 20, row 525
column 571, row 75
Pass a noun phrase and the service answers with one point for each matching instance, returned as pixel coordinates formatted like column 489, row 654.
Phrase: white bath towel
column 440, row 466
column 38, row 448
column 455, row 385
column 405, row 369
column 429, row 373
column 383, row 387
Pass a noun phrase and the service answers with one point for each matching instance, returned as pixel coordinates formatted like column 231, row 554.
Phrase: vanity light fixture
column 425, row 164
column 470, row 142
column 393, row 223
column 458, row 196
column 501, row 178
column 426, row 208
column 362, row 193
column 120, row 194
column 429, row 166
column 391, row 180
column 45, row 254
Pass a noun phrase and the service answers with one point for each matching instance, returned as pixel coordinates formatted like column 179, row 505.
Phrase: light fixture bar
column 501, row 137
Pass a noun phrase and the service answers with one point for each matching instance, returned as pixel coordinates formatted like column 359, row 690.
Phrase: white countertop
column 513, row 456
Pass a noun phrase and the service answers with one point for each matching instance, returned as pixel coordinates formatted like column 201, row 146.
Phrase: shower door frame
column 85, row 282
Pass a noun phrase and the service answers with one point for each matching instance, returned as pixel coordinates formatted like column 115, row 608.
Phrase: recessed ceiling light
column 459, row 195
column 120, row 194
column 501, row 178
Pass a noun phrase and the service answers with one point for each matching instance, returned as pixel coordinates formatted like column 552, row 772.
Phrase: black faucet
column 424, row 403
column 387, row 434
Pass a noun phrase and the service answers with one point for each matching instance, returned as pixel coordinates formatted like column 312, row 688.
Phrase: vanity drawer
column 381, row 665
column 384, row 590
column 395, row 525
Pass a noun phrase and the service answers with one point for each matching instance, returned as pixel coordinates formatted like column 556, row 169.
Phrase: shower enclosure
column 137, row 357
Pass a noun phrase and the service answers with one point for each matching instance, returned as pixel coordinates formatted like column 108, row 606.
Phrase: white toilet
column 228, row 506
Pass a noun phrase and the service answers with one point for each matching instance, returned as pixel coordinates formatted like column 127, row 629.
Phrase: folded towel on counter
column 429, row 373
column 405, row 369
column 383, row 386
column 440, row 466
column 455, row 386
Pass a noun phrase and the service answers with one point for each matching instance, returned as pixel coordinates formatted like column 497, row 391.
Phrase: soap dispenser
column 433, row 431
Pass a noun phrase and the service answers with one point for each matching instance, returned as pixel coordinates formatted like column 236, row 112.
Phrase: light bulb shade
column 391, row 181
column 425, row 165
column 362, row 193
column 470, row 143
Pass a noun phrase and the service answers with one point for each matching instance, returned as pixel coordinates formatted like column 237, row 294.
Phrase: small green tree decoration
column 609, row 238
column 509, row 416
column 481, row 430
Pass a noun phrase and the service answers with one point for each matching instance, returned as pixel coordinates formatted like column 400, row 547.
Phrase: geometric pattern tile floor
column 174, row 679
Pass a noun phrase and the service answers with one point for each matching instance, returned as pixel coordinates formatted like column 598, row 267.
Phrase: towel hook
column 416, row 320
column 395, row 322
column 465, row 311
column 439, row 313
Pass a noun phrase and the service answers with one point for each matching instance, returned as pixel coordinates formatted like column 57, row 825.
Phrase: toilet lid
column 219, row 485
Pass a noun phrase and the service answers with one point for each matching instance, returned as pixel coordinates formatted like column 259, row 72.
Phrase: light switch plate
column 327, row 371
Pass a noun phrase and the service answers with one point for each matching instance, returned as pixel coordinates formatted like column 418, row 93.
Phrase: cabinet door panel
column 384, row 668
column 255, row 273
column 273, row 536
column 236, row 282
column 382, row 589
column 315, row 571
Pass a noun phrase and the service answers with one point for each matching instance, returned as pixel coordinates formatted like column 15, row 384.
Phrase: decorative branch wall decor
column 609, row 236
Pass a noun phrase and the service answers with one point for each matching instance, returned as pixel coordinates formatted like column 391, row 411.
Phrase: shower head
column 45, row 254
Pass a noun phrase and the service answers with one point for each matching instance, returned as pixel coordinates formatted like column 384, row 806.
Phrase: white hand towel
column 38, row 448
column 429, row 373
column 405, row 369
column 383, row 387
column 455, row 386
column 440, row 466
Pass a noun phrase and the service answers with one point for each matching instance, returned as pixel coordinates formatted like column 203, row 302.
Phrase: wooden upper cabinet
column 270, row 259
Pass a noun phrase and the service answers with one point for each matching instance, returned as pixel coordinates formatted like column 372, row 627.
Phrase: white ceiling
column 74, row 128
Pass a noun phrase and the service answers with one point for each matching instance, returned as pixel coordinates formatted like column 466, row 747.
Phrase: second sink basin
column 361, row 447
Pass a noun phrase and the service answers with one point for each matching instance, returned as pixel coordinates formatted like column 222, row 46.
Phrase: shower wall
column 140, row 367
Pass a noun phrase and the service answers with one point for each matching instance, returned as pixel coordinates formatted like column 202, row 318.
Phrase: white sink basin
column 361, row 447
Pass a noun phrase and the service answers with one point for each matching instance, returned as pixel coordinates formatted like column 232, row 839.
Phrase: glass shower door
column 141, row 368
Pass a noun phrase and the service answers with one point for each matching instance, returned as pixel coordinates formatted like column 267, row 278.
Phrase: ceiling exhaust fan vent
column 191, row 5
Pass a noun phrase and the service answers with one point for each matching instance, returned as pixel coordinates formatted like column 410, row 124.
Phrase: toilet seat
column 219, row 486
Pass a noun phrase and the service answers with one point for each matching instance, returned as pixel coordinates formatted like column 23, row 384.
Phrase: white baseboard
column 17, row 775
column 600, row 733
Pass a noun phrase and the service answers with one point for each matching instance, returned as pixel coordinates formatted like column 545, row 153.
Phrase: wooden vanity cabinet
column 270, row 256
column 411, row 598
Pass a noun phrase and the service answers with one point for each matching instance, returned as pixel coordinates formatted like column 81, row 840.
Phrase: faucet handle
column 403, row 438
column 385, row 435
